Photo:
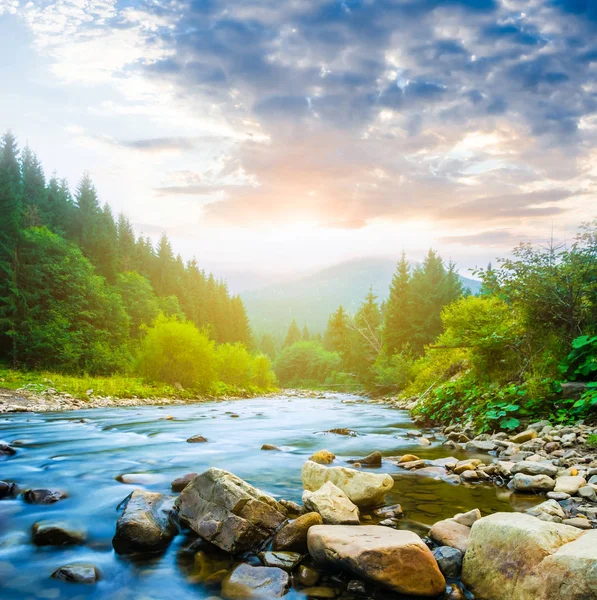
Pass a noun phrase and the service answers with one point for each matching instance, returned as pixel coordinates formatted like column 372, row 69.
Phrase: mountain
column 312, row 298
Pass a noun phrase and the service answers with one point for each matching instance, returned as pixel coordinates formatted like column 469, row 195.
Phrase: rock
column 54, row 533
column 8, row 490
column 573, row 390
column 449, row 561
column 588, row 493
column 389, row 512
column 323, row 457
column 469, row 476
column 372, row 460
column 481, row 446
column 413, row 465
column 291, row 507
column 145, row 524
column 549, row 510
column 408, row 458
column 423, row 441
column 211, row 567
column 578, row 522
column 535, row 468
column 138, row 478
column 559, row 496
column 569, row 484
column 197, row 439
column 43, row 496
column 246, row 581
column 332, row 504
column 307, row 576
column 532, row 483
column 270, row 447
column 180, row 483
column 77, row 573
column 228, row 512
column 320, row 592
column 362, row 488
column 468, row 518
column 467, row 465
column 283, row 560
column 356, row 588
column 293, row 536
column 398, row 560
column 525, row 436
column 6, row 449
column 539, row 425
column 504, row 548
column 450, row 533
column 342, row 431
column 455, row 592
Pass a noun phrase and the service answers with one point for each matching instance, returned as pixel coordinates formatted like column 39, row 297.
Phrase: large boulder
column 332, row 504
column 228, row 512
column 505, row 548
column 293, row 536
column 451, row 533
column 145, row 524
column 398, row 560
column 246, row 581
column 363, row 488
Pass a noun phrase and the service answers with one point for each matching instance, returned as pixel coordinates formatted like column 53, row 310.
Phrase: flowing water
column 83, row 452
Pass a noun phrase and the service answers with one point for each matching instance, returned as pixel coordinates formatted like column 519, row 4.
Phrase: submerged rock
column 293, row 536
column 77, row 573
column 255, row 582
column 56, row 533
column 44, row 496
column 228, row 512
column 145, row 524
column 281, row 559
column 398, row 560
column 362, row 488
column 332, row 504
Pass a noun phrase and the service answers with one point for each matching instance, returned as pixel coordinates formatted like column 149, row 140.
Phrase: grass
column 115, row 386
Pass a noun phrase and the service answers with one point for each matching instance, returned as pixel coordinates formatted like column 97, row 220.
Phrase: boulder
column 550, row 510
column 246, row 581
column 77, row 573
column 450, row 533
column 449, row 561
column 398, row 560
column 532, row 483
column 332, row 504
column 54, row 533
column 504, row 548
column 293, row 536
column 528, row 467
column 43, row 496
column 180, row 483
column 145, row 524
column 283, row 560
column 228, row 512
column 569, row 484
column 323, row 457
column 363, row 488
column 371, row 460
column 8, row 490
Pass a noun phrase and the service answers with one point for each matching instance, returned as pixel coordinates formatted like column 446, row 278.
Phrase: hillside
column 312, row 298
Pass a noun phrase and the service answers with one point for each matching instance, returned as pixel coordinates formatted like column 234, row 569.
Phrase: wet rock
column 342, row 431
column 398, row 560
column 229, row 512
column 323, row 457
column 332, row 504
column 449, row 561
column 408, row 458
column 549, row 510
column 246, row 581
column 197, row 439
column 145, row 524
column 293, row 536
column 372, row 460
column 320, row 592
column 362, row 488
column 211, row 567
column 450, row 533
column 394, row 511
column 532, row 483
column 454, row 592
column 270, row 447
column 569, row 484
column 525, row 436
column 8, row 490
column 307, row 576
column 467, row 465
column 504, row 548
column 77, row 573
column 55, row 533
column 6, row 449
column 357, row 588
column 180, row 483
column 283, row 560
column 139, row 478
column 44, row 496
column 535, row 468
column 413, row 465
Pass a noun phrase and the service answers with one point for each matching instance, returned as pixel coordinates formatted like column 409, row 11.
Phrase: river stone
column 270, row 447
column 56, row 533
column 550, row 510
column 307, row 576
column 449, row 561
column 246, row 581
column 145, row 524
column 588, row 493
column 450, row 533
column 77, row 573
column 6, row 449
column 371, row 460
column 197, row 439
column 283, row 560
column 323, row 457
column 468, row 518
column 8, row 490
column 525, row 436
column 293, row 536
column 398, row 560
column 180, row 483
column 504, row 548
column 481, row 446
column 407, row 458
column 534, row 468
column 229, row 512
column 363, row 488
column 332, row 504
column 43, row 496
column 569, row 484
column 532, row 483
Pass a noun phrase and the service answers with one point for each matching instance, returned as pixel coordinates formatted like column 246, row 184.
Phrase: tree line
column 78, row 288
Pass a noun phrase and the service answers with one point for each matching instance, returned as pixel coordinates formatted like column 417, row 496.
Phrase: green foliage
column 176, row 352
column 262, row 375
column 305, row 364
column 293, row 335
column 233, row 364
column 140, row 301
column 592, row 441
column 581, row 362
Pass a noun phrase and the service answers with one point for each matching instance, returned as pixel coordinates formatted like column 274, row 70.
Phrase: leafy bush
column 262, row 375
column 306, row 363
column 393, row 373
column 176, row 352
column 233, row 364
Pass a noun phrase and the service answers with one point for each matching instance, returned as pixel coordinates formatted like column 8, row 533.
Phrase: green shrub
column 233, row 364
column 306, row 363
column 174, row 351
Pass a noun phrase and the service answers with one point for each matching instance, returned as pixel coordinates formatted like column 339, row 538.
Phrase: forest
column 81, row 294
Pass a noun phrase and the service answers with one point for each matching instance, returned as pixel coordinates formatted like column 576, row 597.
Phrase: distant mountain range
column 311, row 299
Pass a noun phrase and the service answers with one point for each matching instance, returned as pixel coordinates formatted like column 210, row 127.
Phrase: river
column 83, row 452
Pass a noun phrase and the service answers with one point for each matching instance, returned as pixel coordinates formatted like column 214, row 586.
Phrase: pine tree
column 306, row 336
column 293, row 335
column 337, row 334
column 126, row 245
column 268, row 346
column 35, row 198
column 397, row 327
column 60, row 207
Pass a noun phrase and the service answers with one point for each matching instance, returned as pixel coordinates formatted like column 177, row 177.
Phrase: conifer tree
column 306, row 336
column 397, row 327
column 293, row 335
column 126, row 245
column 35, row 198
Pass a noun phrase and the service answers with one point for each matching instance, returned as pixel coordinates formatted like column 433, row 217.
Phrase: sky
column 282, row 136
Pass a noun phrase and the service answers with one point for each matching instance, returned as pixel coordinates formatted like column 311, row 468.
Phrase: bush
column 306, row 363
column 262, row 375
column 393, row 373
column 233, row 364
column 174, row 351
